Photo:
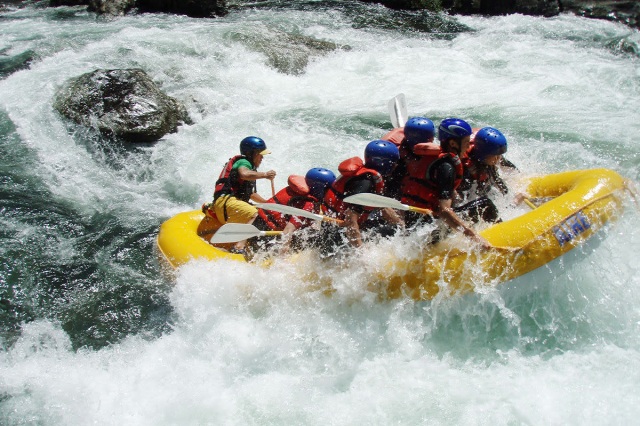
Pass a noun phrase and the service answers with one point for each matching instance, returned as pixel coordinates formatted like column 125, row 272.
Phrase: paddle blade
column 289, row 210
column 398, row 110
column 234, row 232
column 375, row 200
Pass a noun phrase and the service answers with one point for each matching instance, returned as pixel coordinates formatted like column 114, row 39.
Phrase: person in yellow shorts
column 236, row 186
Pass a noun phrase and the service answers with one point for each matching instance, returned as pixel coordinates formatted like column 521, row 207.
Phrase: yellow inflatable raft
column 179, row 242
column 582, row 203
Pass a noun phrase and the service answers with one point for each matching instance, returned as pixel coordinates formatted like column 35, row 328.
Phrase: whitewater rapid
column 96, row 332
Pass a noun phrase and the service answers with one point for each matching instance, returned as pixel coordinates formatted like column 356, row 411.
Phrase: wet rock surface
column 123, row 103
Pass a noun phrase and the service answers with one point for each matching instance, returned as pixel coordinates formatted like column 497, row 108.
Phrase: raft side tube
column 572, row 191
column 179, row 242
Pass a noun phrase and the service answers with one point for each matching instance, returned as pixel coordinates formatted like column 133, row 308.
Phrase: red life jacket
column 349, row 169
column 472, row 171
column 396, row 136
column 229, row 182
column 295, row 195
column 417, row 187
column 483, row 175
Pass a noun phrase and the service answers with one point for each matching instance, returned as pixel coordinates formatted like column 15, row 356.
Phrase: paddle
column 525, row 200
column 398, row 110
column 375, row 200
column 296, row 212
column 528, row 202
column 234, row 232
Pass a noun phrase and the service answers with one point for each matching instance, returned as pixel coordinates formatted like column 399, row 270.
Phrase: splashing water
column 93, row 331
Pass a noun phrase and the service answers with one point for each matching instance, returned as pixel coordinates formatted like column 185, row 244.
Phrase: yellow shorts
column 237, row 211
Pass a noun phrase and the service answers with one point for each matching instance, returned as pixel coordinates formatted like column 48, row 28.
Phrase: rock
column 624, row 11
column 526, row 7
column 432, row 5
column 438, row 25
column 111, row 7
column 627, row 12
column 193, row 8
column 287, row 53
column 486, row 7
column 123, row 103
column 11, row 64
column 56, row 3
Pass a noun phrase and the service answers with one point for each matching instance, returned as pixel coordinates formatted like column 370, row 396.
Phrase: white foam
column 267, row 346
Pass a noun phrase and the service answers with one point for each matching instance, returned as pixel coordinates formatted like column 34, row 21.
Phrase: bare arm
column 353, row 228
column 247, row 174
column 286, row 238
column 258, row 198
column 452, row 220
column 392, row 216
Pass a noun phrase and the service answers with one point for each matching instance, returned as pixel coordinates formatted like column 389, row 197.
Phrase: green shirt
column 243, row 162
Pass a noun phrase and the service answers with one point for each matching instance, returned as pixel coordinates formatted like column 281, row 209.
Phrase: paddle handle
column 529, row 203
column 420, row 210
column 273, row 189
column 270, row 233
column 333, row 219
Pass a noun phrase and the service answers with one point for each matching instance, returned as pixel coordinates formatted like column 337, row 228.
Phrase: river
column 93, row 330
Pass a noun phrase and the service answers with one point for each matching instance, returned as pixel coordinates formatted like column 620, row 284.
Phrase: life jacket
column 393, row 182
column 474, row 170
column 349, row 169
column 395, row 136
column 418, row 189
column 229, row 182
column 296, row 194
column 483, row 175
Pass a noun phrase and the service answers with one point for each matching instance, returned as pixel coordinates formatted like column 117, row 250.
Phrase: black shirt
column 359, row 185
column 443, row 174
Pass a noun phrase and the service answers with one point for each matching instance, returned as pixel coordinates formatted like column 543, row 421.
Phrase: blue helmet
column 381, row 156
column 453, row 128
column 318, row 180
column 251, row 144
column 488, row 141
column 419, row 130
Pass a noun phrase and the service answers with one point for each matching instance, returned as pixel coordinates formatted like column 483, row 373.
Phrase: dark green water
column 94, row 275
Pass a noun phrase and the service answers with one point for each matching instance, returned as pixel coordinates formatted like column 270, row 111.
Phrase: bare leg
column 207, row 227
column 240, row 245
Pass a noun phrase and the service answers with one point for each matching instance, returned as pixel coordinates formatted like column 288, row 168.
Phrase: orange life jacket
column 229, row 182
column 483, row 175
column 396, row 136
column 350, row 169
column 417, row 187
column 474, row 171
column 296, row 194
column 471, row 171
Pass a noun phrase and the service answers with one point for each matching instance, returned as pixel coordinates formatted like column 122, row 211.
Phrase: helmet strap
column 252, row 157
